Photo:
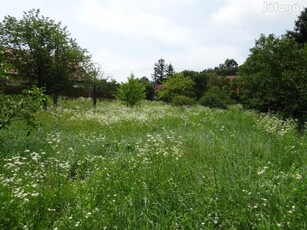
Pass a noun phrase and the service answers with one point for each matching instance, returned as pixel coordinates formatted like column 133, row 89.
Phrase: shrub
column 131, row 92
column 21, row 107
column 182, row 100
column 177, row 85
column 215, row 98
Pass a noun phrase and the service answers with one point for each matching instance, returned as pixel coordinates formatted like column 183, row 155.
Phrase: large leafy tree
column 275, row 75
column 201, row 82
column 42, row 52
column 177, row 85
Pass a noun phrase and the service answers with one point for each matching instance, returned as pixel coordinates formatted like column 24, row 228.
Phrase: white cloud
column 240, row 13
column 198, row 56
column 236, row 12
column 133, row 21
column 148, row 5
column 120, row 65
column 127, row 36
column 195, row 47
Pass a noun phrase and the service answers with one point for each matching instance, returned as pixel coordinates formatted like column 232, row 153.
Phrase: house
column 231, row 77
column 15, row 83
column 159, row 87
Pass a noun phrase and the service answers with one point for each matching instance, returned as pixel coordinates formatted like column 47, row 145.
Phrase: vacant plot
column 154, row 167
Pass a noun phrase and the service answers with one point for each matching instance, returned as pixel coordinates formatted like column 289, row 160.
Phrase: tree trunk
column 301, row 122
column 94, row 101
column 269, row 109
column 55, row 100
column 94, row 96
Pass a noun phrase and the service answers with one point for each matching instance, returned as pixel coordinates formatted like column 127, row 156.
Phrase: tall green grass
column 153, row 167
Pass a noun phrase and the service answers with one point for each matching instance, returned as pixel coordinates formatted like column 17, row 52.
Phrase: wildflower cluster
column 23, row 175
column 114, row 114
column 274, row 125
column 165, row 144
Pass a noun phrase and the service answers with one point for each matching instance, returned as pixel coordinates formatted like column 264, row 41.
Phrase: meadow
column 152, row 167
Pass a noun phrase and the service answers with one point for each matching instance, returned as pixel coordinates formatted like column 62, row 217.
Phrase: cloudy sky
column 129, row 36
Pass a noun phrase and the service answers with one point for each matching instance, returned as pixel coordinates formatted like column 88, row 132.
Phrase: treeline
column 272, row 79
column 38, row 51
column 184, row 88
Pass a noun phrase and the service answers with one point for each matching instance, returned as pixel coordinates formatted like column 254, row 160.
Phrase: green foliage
column 106, row 88
column 162, row 71
column 149, row 91
column 218, row 81
column 271, row 78
column 182, row 100
column 201, row 82
column 177, row 85
column 21, row 107
column 228, row 68
column 3, row 65
column 233, row 89
column 300, row 29
column 131, row 92
column 149, row 88
column 41, row 52
column 215, row 98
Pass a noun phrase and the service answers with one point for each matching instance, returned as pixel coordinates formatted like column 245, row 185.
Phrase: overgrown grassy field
column 153, row 167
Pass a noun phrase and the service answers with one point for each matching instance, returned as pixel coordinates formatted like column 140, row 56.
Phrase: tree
column 162, row 71
column 257, row 72
column 42, row 52
column 149, row 88
column 201, row 83
column 131, row 92
column 177, row 85
column 272, row 79
column 300, row 29
column 230, row 67
column 169, row 70
column 107, row 88
column 95, row 73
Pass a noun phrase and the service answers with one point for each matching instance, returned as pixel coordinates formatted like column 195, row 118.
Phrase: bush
column 182, row 100
column 176, row 85
column 131, row 92
column 21, row 107
column 215, row 98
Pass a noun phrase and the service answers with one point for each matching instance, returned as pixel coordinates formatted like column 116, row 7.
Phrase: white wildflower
column 262, row 171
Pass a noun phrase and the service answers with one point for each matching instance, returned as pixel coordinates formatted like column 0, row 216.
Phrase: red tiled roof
column 159, row 87
column 231, row 77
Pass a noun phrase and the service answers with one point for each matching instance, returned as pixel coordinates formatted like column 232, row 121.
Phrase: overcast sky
column 129, row 36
